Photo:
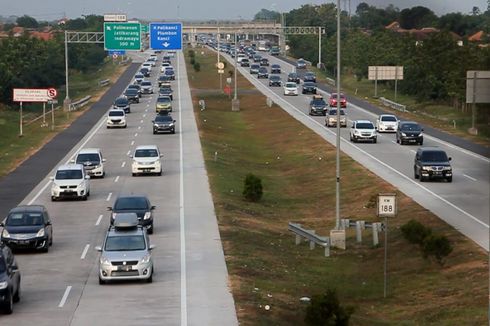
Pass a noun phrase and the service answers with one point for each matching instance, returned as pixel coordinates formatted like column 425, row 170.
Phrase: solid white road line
column 109, row 196
column 141, row 121
column 99, row 219
column 132, row 143
column 129, row 152
column 39, row 193
column 85, row 250
column 65, row 296
column 117, row 179
column 139, row 127
column 471, row 178
column 136, row 135
column 123, row 164
column 413, row 151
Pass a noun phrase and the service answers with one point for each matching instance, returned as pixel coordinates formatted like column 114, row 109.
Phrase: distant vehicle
column 138, row 78
column 301, row 64
column 333, row 100
column 290, row 88
column 147, row 65
column 262, row 73
column 92, row 161
column 293, row 77
column 245, row 62
column 432, row 163
column 146, row 87
column 136, row 87
column 163, row 79
column 9, row 278
column 116, row 118
column 254, row 68
column 123, row 104
column 257, row 57
column 309, row 77
column 387, row 123
column 166, row 90
column 275, row 51
column 170, row 73
column 318, row 106
column 308, row 88
column 28, row 226
column 163, row 123
column 145, row 72
column 331, row 119
column 132, row 95
column 362, row 130
column 264, row 45
column 409, row 132
column 275, row 80
column 70, row 181
column 164, row 103
column 240, row 57
column 275, row 69
column 264, row 62
column 146, row 159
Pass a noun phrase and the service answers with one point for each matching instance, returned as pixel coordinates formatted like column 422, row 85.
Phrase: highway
column 190, row 284
column 463, row 203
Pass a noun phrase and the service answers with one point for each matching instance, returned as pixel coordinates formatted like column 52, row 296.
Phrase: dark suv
column 28, row 226
column 432, row 163
column 135, row 204
column 409, row 132
column 9, row 279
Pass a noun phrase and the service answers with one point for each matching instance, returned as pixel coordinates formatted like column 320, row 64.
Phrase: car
column 70, row 181
column 331, row 119
column 251, row 54
column 257, row 58
column 240, row 57
column 164, row 103
column 126, row 252
column 318, row 106
column 164, row 79
column 165, row 66
column 274, row 51
column 136, row 87
column 301, row 64
column 432, row 163
column 146, row 87
column 92, row 161
column 254, row 68
column 293, row 77
column 308, row 88
column 163, row 123
column 122, row 103
column 262, row 73
column 290, row 88
column 138, row 78
column 145, row 72
column 362, row 130
column 245, row 63
column 264, row 62
column 275, row 69
column 116, row 118
column 166, row 90
column 386, row 123
column 9, row 279
column 147, row 65
column 137, row 204
column 170, row 73
column 409, row 132
column 132, row 95
column 28, row 226
column 146, row 159
column 309, row 77
column 166, row 58
column 275, row 80
column 333, row 100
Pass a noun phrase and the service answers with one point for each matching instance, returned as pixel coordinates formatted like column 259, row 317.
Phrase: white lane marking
column 85, row 250
column 65, row 296
column 148, row 105
column 123, row 164
column 141, row 121
column 413, row 151
column 394, row 142
column 109, row 196
column 183, row 276
column 139, row 127
column 117, row 179
column 471, row 178
column 144, row 116
column 39, row 193
column 99, row 219
column 129, row 152
column 132, row 143
column 146, row 110
column 136, row 135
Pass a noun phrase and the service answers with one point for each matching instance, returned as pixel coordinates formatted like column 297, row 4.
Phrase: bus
column 264, row 45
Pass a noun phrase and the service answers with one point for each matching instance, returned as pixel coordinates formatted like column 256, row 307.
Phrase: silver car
column 126, row 253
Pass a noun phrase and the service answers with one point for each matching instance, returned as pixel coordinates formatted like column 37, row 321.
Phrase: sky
column 203, row 9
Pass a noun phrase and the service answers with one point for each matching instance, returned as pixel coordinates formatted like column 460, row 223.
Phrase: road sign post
column 386, row 208
column 166, row 36
column 122, row 36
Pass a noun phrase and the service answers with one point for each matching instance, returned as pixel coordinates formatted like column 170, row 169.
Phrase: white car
column 146, row 159
column 362, row 130
column 92, row 161
column 290, row 88
column 147, row 65
column 387, row 123
column 166, row 67
column 70, row 181
column 116, row 118
column 240, row 57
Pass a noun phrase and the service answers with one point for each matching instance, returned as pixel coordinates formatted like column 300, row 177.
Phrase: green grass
column 264, row 264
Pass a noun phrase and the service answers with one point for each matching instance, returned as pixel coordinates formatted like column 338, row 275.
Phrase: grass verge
column 297, row 168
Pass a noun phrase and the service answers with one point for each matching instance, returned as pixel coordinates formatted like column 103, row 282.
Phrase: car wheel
column 53, row 198
column 101, row 281
column 422, row 178
column 150, row 279
column 173, row 131
column 9, row 305
column 421, row 143
column 85, row 197
column 45, row 249
column 51, row 240
column 125, row 126
column 402, row 142
column 415, row 175
column 134, row 174
column 154, row 132
column 150, row 231
column 16, row 297
column 375, row 140
column 449, row 179
column 397, row 140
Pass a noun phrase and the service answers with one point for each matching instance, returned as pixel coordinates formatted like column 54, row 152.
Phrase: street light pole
column 235, row 103
column 66, row 102
column 337, row 184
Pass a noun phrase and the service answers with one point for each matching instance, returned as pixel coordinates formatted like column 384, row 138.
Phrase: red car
column 333, row 100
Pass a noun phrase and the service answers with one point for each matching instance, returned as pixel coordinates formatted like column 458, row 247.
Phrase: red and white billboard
column 34, row 94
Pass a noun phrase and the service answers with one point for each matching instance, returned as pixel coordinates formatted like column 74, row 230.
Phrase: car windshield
column 290, row 85
column 254, row 67
column 334, row 95
column 116, row 113
column 165, row 90
column 25, row 219
column 388, row 118
column 126, row 203
column 146, row 83
column 334, row 112
column 139, row 76
column 434, row 156
column 318, row 102
column 68, row 174
column 125, row 243
column 411, row 127
column 364, row 125
column 293, row 75
column 121, row 102
column 276, row 66
column 146, row 153
column 263, row 69
column 131, row 91
column 275, row 77
column 163, row 118
column 134, row 87
column 169, row 72
column 309, row 84
column 163, row 100
column 88, row 157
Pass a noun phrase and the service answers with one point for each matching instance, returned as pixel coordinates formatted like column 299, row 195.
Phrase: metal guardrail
column 361, row 225
column 331, row 81
column 309, row 235
column 104, row 82
column 124, row 61
column 78, row 104
column 394, row 105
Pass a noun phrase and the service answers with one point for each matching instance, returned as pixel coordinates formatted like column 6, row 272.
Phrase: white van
column 70, row 181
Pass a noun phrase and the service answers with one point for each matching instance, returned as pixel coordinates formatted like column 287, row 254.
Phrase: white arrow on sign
column 108, row 28
column 166, row 44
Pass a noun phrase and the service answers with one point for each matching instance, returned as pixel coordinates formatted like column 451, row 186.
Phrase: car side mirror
column 109, row 209
column 51, row 178
column 153, row 207
column 15, row 268
column 422, row 129
column 449, row 158
column 2, row 224
column 174, row 121
column 161, row 155
column 103, row 160
column 48, row 223
column 72, row 161
column 152, row 121
column 87, row 177
column 130, row 155
column 98, row 248
column 152, row 246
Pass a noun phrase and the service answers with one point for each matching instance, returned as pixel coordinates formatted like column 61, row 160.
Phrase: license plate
column 124, row 268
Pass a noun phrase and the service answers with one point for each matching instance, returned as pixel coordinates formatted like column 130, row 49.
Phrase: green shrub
column 193, row 60
column 437, row 246
column 252, row 190
column 197, row 66
column 326, row 310
column 415, row 232
column 192, row 54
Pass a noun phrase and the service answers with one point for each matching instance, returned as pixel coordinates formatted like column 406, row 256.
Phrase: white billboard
column 115, row 18
column 33, row 94
column 478, row 83
column 385, row 73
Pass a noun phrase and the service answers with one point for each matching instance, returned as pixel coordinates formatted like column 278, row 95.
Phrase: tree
column 417, row 17
column 265, row 14
column 27, row 22
column 326, row 310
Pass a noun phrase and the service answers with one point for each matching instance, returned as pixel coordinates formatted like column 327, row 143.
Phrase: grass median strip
column 297, row 169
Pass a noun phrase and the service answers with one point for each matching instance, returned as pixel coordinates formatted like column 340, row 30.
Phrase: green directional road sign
column 122, row 36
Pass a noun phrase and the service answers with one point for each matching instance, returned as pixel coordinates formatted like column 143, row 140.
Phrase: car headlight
column 147, row 215
column 146, row 259
column 3, row 285
column 5, row 233
column 421, row 134
column 81, row 184
column 357, row 132
column 155, row 125
column 425, row 168
column 447, row 168
column 104, row 260
column 404, row 134
column 40, row 233
column 171, row 125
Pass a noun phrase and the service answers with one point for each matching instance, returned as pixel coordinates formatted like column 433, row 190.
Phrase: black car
column 432, row 163
column 137, row 87
column 166, row 58
column 28, row 226
column 163, row 123
column 275, row 69
column 166, row 91
column 163, row 79
column 170, row 73
column 9, row 278
column 132, row 95
column 145, row 72
column 309, row 77
column 264, row 62
column 254, row 68
column 257, row 57
column 318, row 106
column 409, row 132
column 123, row 104
column 245, row 62
column 275, row 80
column 262, row 73
column 309, row 88
column 293, row 77
column 134, row 204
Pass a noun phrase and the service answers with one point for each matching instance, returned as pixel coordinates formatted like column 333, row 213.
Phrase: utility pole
column 66, row 102
column 337, row 184
column 235, row 103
